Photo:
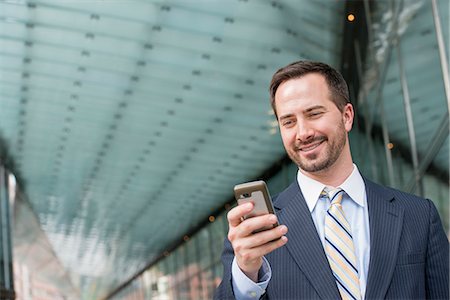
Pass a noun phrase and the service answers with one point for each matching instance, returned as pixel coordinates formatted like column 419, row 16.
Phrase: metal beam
column 437, row 141
column 6, row 246
column 443, row 57
column 409, row 117
column 381, row 72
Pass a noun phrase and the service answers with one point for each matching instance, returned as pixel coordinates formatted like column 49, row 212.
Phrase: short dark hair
column 336, row 83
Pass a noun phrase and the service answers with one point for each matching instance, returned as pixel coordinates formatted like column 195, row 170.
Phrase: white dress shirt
column 354, row 204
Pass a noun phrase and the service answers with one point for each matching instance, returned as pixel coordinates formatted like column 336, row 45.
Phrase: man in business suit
column 342, row 236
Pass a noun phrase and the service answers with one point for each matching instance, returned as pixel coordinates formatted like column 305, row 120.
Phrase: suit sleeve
column 225, row 289
column 437, row 264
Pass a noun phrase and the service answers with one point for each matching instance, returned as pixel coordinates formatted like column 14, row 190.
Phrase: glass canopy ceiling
column 131, row 121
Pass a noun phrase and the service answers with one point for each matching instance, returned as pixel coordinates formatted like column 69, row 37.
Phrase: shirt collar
column 353, row 186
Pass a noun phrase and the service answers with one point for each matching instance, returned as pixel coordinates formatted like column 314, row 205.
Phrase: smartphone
column 256, row 192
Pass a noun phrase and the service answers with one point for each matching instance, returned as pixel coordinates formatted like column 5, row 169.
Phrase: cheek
column 288, row 137
column 333, row 126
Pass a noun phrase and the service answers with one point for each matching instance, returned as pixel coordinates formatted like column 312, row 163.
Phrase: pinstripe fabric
column 339, row 247
column 409, row 256
column 306, row 273
column 409, row 249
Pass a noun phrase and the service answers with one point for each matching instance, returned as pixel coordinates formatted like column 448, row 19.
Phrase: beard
column 325, row 158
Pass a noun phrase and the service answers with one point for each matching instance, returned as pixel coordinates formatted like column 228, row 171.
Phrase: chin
column 312, row 165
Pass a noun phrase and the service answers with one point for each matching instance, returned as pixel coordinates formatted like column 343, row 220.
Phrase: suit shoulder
column 406, row 196
column 403, row 198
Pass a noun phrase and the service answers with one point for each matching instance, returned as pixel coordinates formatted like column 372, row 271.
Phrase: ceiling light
column 350, row 17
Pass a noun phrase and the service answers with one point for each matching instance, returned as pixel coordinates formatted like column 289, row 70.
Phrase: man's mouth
column 310, row 146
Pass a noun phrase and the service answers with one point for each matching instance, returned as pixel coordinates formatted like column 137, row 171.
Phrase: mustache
column 308, row 142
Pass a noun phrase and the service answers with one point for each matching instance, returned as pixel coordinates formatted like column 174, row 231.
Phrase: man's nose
column 304, row 131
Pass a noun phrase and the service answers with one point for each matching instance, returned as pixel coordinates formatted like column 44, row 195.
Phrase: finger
column 258, row 239
column 264, row 237
column 248, row 255
column 248, row 226
column 235, row 214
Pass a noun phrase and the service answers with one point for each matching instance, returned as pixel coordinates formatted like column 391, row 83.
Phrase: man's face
column 313, row 130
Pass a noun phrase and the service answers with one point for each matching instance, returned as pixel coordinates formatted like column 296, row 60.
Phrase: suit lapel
column 303, row 242
column 385, row 221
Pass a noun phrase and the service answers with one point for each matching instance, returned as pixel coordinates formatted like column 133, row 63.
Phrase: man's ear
column 347, row 116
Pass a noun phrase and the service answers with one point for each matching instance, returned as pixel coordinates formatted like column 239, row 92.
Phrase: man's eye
column 315, row 114
column 287, row 122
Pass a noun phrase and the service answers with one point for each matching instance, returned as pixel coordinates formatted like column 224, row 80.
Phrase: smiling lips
column 310, row 146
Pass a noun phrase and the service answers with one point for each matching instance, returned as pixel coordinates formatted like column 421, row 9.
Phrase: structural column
column 6, row 277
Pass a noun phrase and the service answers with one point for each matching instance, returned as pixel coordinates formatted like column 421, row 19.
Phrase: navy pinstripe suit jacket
column 409, row 251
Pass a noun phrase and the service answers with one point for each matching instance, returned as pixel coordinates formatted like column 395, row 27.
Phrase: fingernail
column 284, row 239
column 273, row 218
column 283, row 229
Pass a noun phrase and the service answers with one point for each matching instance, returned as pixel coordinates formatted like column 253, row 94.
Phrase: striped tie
column 339, row 247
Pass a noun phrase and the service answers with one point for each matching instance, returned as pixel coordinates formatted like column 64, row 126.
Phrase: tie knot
column 335, row 195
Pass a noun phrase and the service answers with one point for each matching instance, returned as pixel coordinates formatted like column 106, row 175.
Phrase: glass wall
column 403, row 128
column 192, row 271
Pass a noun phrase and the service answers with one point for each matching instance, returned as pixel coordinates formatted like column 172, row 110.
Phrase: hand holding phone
column 253, row 228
